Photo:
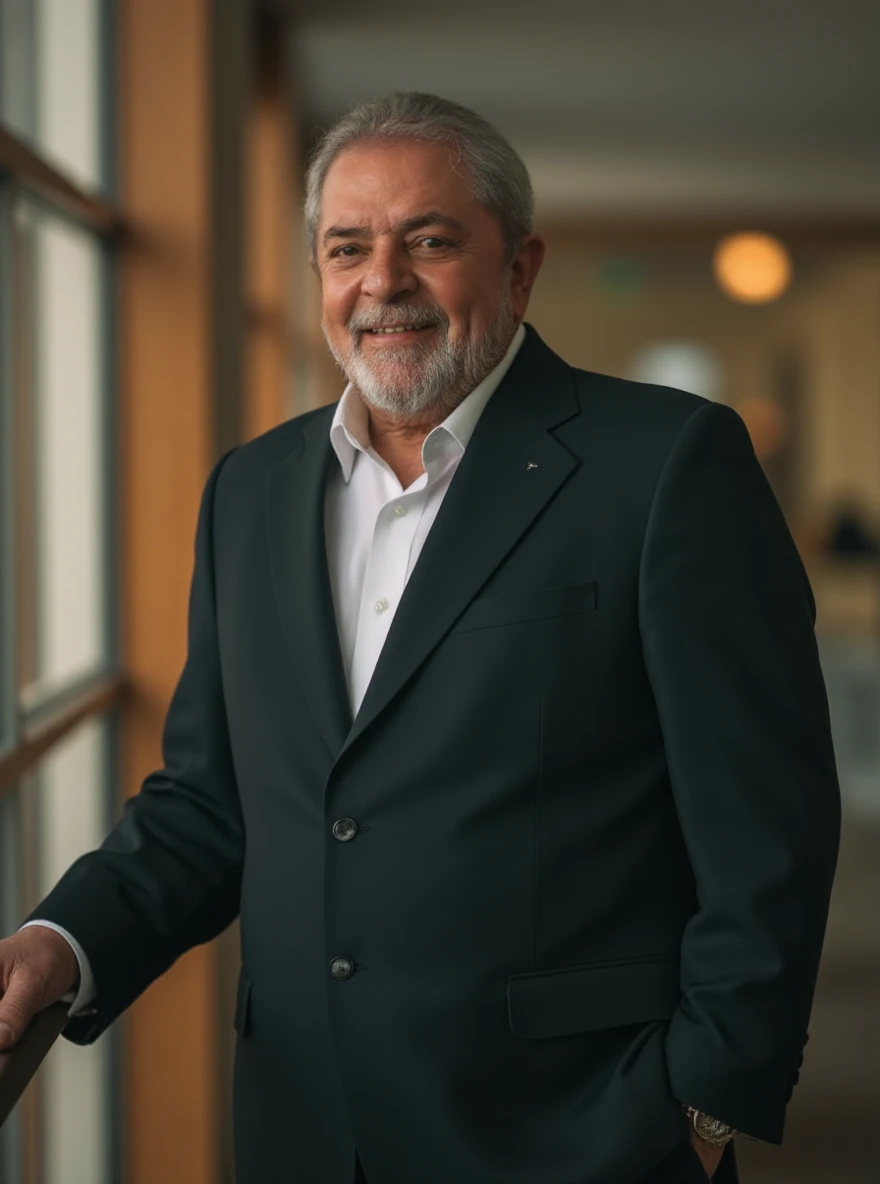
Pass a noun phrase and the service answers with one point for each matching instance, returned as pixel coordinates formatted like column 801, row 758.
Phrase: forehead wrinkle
column 416, row 222
column 430, row 218
column 344, row 232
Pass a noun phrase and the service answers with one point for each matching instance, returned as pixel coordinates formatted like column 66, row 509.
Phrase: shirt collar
column 350, row 428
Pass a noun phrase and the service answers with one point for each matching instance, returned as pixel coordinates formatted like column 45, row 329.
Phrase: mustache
column 420, row 316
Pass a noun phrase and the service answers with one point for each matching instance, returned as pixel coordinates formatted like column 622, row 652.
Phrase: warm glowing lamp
column 752, row 268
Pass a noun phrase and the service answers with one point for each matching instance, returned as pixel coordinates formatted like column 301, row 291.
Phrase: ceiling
column 636, row 107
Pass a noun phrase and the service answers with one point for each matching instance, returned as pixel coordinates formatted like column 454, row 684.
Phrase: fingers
column 18, row 1007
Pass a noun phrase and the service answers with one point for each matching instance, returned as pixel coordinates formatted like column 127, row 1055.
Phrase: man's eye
column 339, row 250
column 432, row 241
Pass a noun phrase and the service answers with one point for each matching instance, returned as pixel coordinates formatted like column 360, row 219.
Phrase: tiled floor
column 833, row 1125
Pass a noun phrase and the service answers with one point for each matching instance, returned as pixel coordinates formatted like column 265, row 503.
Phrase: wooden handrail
column 34, row 173
column 19, row 1063
column 98, row 698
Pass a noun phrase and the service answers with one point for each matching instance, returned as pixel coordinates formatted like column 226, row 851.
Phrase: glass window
column 72, row 795
column 62, row 600
column 10, row 916
column 17, row 53
column 56, row 591
column 58, row 811
column 8, row 682
column 69, row 85
column 51, row 81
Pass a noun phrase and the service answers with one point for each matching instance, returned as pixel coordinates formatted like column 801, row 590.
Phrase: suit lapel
column 491, row 501
column 298, row 558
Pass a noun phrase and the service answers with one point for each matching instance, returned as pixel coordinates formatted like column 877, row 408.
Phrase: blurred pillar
column 271, row 206
column 844, row 355
column 230, row 27
column 182, row 67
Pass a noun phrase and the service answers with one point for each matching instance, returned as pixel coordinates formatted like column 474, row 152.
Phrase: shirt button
column 400, row 510
column 342, row 968
column 381, row 604
column 344, row 829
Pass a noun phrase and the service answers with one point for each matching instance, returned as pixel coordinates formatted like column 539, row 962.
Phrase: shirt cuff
column 79, row 999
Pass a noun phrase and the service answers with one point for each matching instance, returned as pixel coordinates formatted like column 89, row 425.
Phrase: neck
column 404, row 431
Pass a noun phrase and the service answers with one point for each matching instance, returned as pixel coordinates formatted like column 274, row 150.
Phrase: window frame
column 28, row 735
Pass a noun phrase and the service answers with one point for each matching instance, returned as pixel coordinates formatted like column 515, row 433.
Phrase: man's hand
column 710, row 1156
column 37, row 967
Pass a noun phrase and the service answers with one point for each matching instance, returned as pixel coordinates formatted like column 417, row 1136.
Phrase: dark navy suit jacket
column 593, row 791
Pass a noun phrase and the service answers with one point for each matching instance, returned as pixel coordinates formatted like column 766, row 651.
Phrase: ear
column 524, row 271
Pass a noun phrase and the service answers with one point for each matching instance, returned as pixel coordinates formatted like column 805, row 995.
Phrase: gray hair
column 496, row 174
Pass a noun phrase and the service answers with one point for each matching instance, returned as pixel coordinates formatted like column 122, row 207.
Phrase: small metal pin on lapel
column 530, row 464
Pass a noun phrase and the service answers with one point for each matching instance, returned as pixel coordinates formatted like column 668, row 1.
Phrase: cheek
column 467, row 304
column 474, row 300
column 337, row 302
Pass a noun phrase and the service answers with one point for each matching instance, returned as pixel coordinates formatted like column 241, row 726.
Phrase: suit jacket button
column 342, row 968
column 344, row 829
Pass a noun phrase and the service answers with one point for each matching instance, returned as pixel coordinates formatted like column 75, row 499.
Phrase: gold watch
column 710, row 1130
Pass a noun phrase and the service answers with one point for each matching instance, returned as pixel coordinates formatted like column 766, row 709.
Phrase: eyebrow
column 419, row 222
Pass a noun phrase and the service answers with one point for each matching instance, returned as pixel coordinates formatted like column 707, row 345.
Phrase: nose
column 389, row 275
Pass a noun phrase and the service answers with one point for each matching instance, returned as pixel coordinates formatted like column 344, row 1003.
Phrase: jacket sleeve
column 168, row 876
column 727, row 621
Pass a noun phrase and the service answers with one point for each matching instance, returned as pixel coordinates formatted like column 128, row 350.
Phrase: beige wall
column 827, row 326
column 830, row 318
column 678, row 299
column 839, row 320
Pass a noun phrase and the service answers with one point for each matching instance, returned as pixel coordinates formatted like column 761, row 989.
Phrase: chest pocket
column 535, row 604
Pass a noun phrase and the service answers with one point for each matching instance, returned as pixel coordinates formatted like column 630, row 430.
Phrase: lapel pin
column 530, row 464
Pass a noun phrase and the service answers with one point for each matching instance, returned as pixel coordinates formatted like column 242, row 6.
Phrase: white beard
column 408, row 381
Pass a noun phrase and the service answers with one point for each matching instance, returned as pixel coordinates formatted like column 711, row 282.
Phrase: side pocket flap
column 242, row 1004
column 593, row 996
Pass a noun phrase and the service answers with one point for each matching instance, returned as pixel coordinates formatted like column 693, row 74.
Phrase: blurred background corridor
column 708, row 181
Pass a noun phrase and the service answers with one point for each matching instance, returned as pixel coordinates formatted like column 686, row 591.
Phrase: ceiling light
column 752, row 268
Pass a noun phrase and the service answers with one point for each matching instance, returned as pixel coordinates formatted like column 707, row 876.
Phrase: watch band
column 710, row 1130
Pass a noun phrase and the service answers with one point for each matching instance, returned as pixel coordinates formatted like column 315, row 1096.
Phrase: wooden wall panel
column 269, row 213
column 167, row 446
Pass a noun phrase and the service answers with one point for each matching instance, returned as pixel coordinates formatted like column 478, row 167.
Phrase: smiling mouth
column 390, row 330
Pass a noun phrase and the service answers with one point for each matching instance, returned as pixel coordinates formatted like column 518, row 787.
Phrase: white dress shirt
column 374, row 531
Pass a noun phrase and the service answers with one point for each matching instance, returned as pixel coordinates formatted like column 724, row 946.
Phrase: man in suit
column 502, row 726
